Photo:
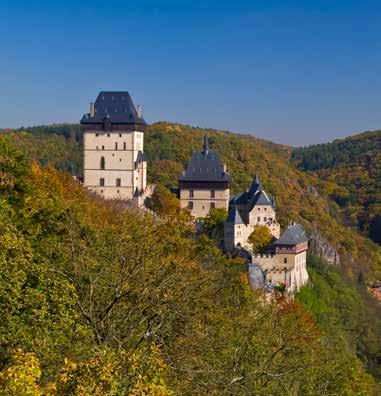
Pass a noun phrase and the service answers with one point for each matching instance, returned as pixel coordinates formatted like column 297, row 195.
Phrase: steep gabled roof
column 117, row 106
column 293, row 235
column 233, row 215
column 205, row 165
column 255, row 186
column 141, row 157
column 261, row 198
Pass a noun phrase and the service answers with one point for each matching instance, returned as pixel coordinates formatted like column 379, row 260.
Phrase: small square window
column 118, row 182
column 101, row 181
column 190, row 205
column 258, row 219
column 285, row 260
column 212, row 205
column 212, row 194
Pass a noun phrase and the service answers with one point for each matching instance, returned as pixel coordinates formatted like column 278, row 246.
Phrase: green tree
column 260, row 239
column 214, row 224
column 163, row 202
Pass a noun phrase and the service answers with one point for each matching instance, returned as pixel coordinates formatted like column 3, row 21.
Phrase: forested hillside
column 99, row 299
column 337, row 298
column 354, row 164
column 299, row 195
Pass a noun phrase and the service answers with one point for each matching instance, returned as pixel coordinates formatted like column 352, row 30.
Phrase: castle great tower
column 113, row 137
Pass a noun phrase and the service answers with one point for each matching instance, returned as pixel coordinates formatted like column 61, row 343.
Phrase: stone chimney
column 92, row 109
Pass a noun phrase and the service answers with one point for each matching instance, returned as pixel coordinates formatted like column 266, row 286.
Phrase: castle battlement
column 258, row 255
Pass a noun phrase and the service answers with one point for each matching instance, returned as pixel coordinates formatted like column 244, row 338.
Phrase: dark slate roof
column 233, row 215
column 205, row 165
column 241, row 198
column 141, row 157
column 261, row 198
column 115, row 105
column 293, row 235
column 255, row 186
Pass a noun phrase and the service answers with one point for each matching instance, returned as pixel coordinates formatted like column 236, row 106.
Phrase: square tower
column 205, row 183
column 113, row 138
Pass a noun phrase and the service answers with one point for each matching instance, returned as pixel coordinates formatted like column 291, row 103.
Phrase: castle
column 115, row 166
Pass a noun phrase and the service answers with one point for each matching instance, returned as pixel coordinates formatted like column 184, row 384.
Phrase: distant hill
column 353, row 163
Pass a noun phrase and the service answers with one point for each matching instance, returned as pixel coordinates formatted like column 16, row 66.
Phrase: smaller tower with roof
column 253, row 207
column 205, row 183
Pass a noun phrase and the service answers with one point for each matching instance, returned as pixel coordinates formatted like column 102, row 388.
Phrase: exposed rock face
column 322, row 248
column 256, row 278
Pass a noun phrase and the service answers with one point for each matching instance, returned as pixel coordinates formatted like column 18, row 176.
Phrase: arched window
column 102, row 162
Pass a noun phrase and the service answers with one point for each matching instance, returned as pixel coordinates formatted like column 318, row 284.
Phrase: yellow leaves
column 22, row 375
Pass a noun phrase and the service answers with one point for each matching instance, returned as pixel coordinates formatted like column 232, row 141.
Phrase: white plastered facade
column 112, row 167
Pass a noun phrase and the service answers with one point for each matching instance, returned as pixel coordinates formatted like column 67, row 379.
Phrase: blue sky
column 295, row 72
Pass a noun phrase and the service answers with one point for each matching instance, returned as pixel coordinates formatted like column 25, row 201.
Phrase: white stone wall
column 119, row 150
column 202, row 200
column 289, row 269
column 265, row 215
column 235, row 235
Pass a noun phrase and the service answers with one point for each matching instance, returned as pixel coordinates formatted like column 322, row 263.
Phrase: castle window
column 120, row 135
column 103, row 147
column 285, row 260
column 212, row 205
column 102, row 182
column 97, row 147
column 264, row 208
column 190, row 205
column 191, row 193
column 103, row 163
column 116, row 145
column 265, row 219
column 118, row 182
column 124, row 146
column 212, row 194
column 108, row 135
column 258, row 219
